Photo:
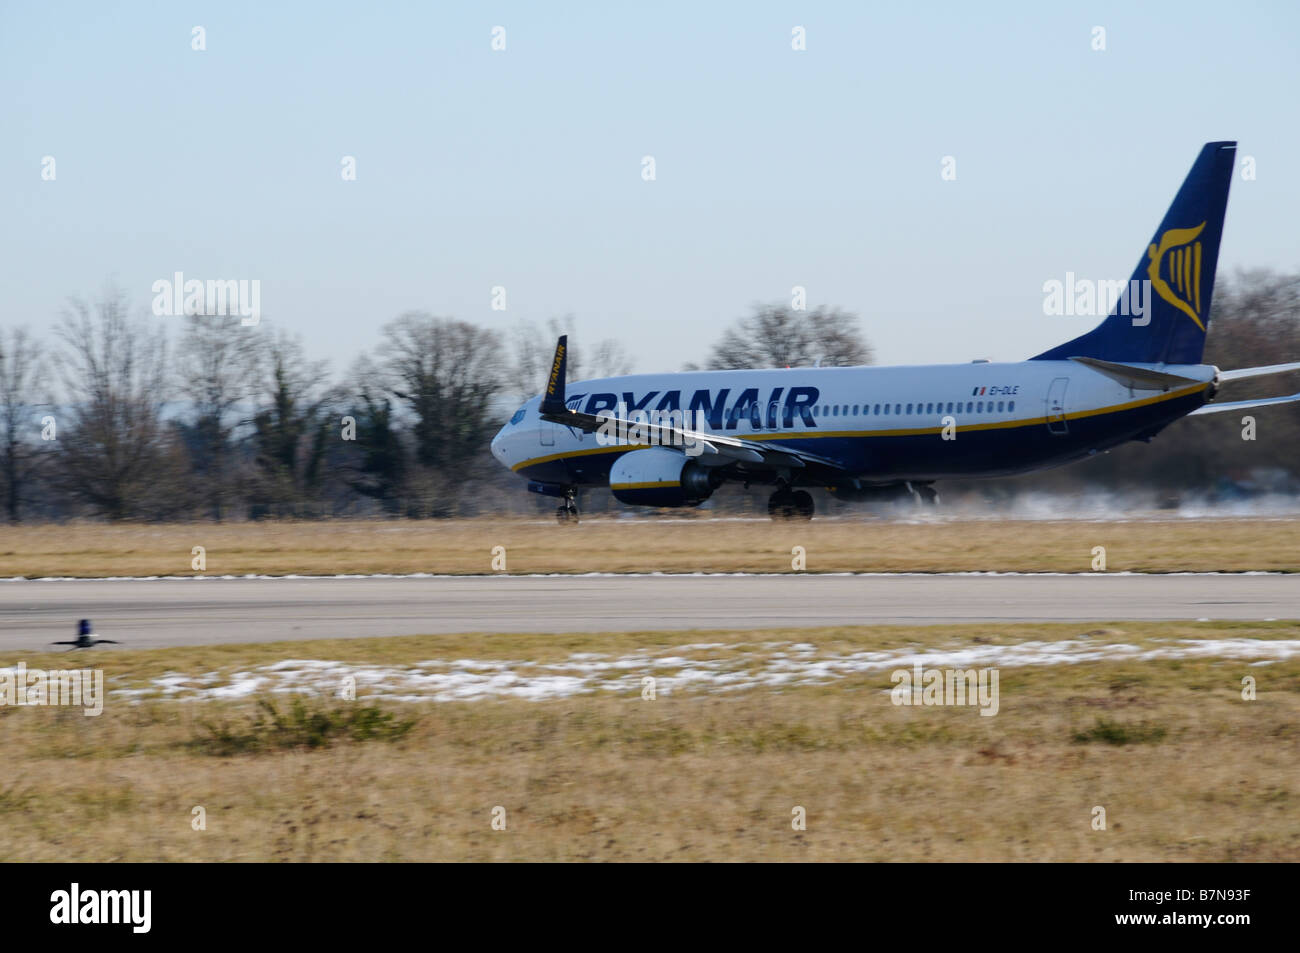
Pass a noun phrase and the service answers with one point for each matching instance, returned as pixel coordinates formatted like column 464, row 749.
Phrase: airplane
column 864, row 433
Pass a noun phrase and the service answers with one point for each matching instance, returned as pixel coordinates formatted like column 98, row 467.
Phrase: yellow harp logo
column 1175, row 270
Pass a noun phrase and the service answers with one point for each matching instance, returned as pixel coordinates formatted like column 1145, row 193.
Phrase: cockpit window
column 519, row 415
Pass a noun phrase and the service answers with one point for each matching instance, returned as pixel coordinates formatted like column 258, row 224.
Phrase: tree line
column 113, row 419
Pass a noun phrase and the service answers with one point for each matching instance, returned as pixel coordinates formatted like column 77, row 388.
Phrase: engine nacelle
column 658, row 476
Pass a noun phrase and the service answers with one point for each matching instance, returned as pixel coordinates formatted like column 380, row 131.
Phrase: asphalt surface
column 165, row 612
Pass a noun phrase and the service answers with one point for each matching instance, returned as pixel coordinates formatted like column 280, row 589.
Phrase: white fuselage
column 905, row 422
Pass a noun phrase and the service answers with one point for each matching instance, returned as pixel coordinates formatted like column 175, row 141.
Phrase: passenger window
column 855, row 410
column 1011, row 406
column 1000, row 405
column 835, row 411
column 886, row 409
column 970, row 406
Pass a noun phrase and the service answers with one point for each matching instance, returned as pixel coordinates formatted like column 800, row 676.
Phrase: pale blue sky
column 522, row 168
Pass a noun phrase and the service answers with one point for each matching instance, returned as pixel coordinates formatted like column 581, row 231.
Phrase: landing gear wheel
column 780, row 505
column 786, row 504
column 927, row 495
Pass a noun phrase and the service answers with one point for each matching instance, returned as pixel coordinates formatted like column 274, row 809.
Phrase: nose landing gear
column 567, row 512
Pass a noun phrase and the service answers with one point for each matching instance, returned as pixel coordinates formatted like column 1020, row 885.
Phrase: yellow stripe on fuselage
column 909, row 432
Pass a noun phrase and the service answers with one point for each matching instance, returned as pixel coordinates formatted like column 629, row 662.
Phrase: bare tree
column 448, row 374
column 1255, row 320
column 776, row 336
column 216, row 373
column 375, row 463
column 290, row 427
column 21, row 367
column 113, row 448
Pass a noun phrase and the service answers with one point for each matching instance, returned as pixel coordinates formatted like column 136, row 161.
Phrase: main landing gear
column 925, row 494
column 568, row 510
column 787, row 504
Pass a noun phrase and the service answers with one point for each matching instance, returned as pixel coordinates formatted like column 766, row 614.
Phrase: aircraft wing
column 714, row 449
column 1243, row 405
column 755, row 453
column 1244, row 372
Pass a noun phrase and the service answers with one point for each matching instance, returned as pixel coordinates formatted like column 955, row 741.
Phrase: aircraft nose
column 499, row 446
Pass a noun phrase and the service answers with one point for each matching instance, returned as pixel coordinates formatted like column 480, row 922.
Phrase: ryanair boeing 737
column 866, row 432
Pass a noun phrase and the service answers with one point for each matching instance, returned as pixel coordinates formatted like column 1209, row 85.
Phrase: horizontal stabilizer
column 1138, row 378
column 1245, row 372
column 1243, row 405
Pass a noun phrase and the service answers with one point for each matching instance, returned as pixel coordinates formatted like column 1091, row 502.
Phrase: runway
column 167, row 612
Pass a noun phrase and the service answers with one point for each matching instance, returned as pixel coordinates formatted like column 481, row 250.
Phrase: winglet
column 553, row 397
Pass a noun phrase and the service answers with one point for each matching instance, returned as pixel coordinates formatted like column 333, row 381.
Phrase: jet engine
column 658, row 476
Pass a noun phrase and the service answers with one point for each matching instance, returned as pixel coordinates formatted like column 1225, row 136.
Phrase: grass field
column 686, row 545
column 709, row 770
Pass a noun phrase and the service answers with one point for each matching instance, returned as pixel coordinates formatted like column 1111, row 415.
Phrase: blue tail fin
column 1162, row 316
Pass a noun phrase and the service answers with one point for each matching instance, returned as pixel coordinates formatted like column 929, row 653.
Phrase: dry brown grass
column 694, row 776
column 699, row 545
